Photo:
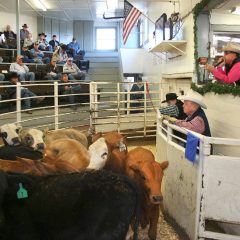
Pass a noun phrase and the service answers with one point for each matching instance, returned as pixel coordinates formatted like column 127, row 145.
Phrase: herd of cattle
column 76, row 189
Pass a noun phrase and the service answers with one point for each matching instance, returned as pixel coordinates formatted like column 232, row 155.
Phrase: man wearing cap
column 174, row 108
column 24, row 32
column 52, row 71
column 72, row 69
column 196, row 119
column 231, row 63
column 74, row 46
column 54, row 43
column 22, row 70
column 38, row 55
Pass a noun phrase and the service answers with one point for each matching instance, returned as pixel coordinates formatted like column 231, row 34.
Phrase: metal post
column 91, row 104
column 145, row 109
column 18, row 104
column 17, row 28
column 118, row 107
column 56, row 116
column 128, row 99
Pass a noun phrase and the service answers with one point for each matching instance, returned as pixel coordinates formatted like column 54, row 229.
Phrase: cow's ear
column 46, row 130
column 135, row 167
column 164, row 165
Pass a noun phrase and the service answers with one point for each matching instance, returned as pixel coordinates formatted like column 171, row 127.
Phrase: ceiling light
column 112, row 4
column 41, row 5
column 236, row 10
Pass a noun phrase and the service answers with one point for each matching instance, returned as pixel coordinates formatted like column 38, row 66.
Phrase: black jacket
column 181, row 114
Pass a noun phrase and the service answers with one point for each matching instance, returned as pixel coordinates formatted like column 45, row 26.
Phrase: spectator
column 9, row 34
column 174, row 108
column 27, row 55
column 28, row 41
column 69, row 89
column 72, row 69
column 52, row 71
column 74, row 47
column 137, row 97
column 231, row 63
column 38, row 55
column 60, row 54
column 25, row 92
column 54, row 43
column 22, row 70
column 2, row 77
column 3, row 41
column 196, row 119
column 43, row 43
column 24, row 32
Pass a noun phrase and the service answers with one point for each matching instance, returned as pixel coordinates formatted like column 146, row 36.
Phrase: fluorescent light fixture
column 236, row 10
column 41, row 5
column 112, row 4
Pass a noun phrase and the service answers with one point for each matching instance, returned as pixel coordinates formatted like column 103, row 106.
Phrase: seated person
column 43, row 43
column 196, row 119
column 3, row 43
column 60, row 54
column 74, row 48
column 10, row 37
column 22, row 70
column 2, row 77
column 38, row 55
column 54, row 43
column 72, row 69
column 27, row 55
column 24, row 32
column 231, row 63
column 68, row 89
column 137, row 97
column 25, row 92
column 28, row 41
column 174, row 108
column 52, row 71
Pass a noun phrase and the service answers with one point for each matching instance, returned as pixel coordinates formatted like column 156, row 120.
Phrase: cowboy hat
column 232, row 47
column 193, row 97
column 25, row 25
column 42, row 34
column 170, row 96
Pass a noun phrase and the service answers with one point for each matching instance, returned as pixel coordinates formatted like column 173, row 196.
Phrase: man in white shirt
column 74, row 73
column 22, row 70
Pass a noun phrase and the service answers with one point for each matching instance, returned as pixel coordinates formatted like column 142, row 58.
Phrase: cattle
column 50, row 136
column 10, row 134
column 141, row 167
column 61, row 156
column 98, row 154
column 12, row 152
column 32, row 138
column 86, row 206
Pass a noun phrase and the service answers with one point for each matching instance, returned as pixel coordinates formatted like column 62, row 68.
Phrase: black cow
column 91, row 205
column 12, row 152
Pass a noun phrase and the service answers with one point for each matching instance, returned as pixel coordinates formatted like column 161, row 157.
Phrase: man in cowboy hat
column 174, row 108
column 231, row 62
column 24, row 32
column 43, row 43
column 196, row 119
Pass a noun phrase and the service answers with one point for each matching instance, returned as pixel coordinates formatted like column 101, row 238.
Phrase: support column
column 17, row 28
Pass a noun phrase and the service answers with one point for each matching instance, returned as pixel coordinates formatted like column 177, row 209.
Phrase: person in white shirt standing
column 74, row 73
column 22, row 70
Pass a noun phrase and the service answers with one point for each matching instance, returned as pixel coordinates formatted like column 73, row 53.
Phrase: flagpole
column 148, row 18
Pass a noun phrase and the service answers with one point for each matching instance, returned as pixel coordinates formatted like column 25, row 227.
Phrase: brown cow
column 61, row 156
column 147, row 173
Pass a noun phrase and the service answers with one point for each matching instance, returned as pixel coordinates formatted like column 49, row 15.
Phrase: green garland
column 196, row 10
column 217, row 88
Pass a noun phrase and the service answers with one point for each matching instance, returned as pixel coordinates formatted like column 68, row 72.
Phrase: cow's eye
column 17, row 130
column 4, row 134
column 143, row 177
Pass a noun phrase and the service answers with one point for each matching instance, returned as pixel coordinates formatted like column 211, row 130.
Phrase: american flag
column 131, row 15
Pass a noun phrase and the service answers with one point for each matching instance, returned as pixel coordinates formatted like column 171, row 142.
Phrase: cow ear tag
column 22, row 192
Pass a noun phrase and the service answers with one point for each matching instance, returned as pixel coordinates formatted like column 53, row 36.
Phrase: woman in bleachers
column 28, row 42
column 60, row 55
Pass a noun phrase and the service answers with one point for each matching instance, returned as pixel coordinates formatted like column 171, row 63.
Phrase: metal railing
column 103, row 106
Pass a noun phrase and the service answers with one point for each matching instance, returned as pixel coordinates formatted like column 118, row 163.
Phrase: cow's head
column 98, row 154
column 32, row 138
column 150, row 176
column 10, row 134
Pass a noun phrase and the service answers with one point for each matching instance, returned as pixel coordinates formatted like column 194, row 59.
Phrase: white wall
column 225, row 19
column 10, row 19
